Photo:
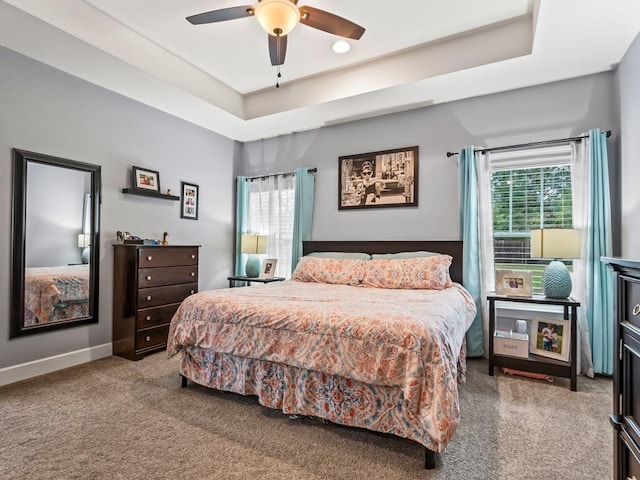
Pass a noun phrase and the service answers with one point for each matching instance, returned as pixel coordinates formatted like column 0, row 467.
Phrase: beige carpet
column 116, row 419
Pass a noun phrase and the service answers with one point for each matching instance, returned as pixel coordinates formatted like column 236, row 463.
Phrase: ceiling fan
column 278, row 18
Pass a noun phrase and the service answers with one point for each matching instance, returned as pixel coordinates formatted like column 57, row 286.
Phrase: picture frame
column 144, row 179
column 189, row 200
column 387, row 178
column 268, row 269
column 514, row 283
column 555, row 343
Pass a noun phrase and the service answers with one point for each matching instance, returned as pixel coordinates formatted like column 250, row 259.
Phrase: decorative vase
column 556, row 281
column 252, row 268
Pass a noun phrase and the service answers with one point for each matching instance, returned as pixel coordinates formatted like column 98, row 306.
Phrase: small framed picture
column 268, row 268
column 145, row 179
column 515, row 283
column 550, row 337
column 189, row 201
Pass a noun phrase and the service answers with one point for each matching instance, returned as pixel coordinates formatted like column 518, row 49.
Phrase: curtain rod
column 283, row 174
column 533, row 144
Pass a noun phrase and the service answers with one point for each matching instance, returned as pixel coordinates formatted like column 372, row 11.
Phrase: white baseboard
column 15, row 373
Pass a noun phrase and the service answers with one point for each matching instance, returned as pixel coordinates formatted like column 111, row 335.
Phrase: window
column 271, row 208
column 530, row 189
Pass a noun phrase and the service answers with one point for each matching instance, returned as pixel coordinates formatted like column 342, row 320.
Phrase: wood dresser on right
column 626, row 368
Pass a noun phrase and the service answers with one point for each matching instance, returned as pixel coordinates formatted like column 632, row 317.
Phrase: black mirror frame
column 19, row 212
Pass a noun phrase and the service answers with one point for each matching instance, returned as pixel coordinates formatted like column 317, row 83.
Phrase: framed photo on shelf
column 514, row 283
column 189, row 201
column 550, row 337
column 145, row 179
column 268, row 269
column 388, row 178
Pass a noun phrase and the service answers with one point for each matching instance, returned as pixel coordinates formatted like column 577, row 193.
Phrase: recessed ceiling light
column 341, row 46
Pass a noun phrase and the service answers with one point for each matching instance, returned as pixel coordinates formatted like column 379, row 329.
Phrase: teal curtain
column 303, row 212
column 470, row 228
column 599, row 309
column 242, row 207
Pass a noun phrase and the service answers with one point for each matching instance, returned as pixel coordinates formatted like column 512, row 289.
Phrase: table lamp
column 84, row 242
column 253, row 245
column 556, row 243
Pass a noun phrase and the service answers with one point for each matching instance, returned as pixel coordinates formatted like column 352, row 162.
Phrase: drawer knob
column 148, row 339
column 149, row 257
column 636, row 309
column 148, row 277
column 148, row 297
column 192, row 292
column 193, row 274
column 148, row 317
column 193, row 256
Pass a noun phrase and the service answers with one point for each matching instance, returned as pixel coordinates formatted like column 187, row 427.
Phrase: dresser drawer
column 153, row 297
column 152, row 317
column 167, row 257
column 155, row 277
column 632, row 307
column 152, row 337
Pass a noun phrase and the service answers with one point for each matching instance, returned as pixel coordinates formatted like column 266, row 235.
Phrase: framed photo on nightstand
column 514, row 283
column 268, row 269
column 550, row 337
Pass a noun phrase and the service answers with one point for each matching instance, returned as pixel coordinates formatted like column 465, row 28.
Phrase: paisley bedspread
column 382, row 359
column 56, row 293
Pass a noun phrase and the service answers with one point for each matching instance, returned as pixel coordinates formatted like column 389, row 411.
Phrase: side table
column 536, row 363
column 249, row 280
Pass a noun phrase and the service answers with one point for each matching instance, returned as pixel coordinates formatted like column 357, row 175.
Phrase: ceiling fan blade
column 328, row 22
column 277, row 49
column 221, row 15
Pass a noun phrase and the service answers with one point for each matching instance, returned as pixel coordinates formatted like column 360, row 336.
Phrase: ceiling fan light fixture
column 277, row 17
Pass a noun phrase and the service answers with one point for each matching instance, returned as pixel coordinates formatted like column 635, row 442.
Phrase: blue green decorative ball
column 252, row 268
column 556, row 281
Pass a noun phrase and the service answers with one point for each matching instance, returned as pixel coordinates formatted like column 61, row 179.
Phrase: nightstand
column 537, row 363
column 249, row 280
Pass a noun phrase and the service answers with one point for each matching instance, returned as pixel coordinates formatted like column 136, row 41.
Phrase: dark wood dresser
column 149, row 283
column 626, row 368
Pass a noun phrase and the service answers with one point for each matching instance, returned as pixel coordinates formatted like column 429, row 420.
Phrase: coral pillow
column 341, row 271
column 430, row 273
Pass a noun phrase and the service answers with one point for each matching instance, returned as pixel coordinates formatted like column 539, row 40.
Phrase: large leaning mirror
column 56, row 238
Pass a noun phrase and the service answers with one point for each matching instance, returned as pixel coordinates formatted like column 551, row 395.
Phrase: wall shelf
column 150, row 193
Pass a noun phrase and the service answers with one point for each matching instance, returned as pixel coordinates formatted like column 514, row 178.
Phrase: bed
column 56, row 293
column 343, row 350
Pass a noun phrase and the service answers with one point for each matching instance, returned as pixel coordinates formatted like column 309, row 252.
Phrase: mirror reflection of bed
column 54, row 294
column 53, row 260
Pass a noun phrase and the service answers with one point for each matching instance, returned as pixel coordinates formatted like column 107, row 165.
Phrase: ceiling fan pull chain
column 278, row 77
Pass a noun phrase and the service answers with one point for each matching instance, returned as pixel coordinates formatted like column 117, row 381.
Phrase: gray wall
column 629, row 79
column 556, row 110
column 47, row 111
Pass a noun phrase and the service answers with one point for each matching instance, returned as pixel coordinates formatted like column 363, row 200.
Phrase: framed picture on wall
column 387, row 178
column 189, row 201
column 145, row 179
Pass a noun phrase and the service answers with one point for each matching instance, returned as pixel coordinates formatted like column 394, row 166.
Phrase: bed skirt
column 338, row 399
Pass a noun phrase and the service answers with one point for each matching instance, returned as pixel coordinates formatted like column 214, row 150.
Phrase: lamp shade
column 84, row 240
column 253, row 244
column 277, row 17
column 556, row 243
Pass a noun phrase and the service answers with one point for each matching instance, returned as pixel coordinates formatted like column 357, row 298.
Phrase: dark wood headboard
column 449, row 247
